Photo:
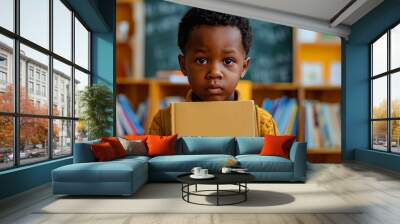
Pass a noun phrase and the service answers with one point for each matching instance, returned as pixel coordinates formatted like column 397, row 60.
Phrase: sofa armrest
column 83, row 152
column 298, row 155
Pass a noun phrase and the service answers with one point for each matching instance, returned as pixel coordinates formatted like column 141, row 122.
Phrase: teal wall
column 24, row 178
column 99, row 16
column 355, row 94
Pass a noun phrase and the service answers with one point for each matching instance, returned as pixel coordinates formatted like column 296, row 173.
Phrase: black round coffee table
column 238, row 179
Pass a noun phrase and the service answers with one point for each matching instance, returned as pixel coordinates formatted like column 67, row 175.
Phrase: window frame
column 388, row 74
column 16, row 115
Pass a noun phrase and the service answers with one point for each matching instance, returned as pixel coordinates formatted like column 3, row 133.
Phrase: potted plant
column 96, row 103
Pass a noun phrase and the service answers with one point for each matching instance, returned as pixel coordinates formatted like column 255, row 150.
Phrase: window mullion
column 371, row 92
column 389, row 102
column 73, row 83
column 16, row 84
column 50, row 81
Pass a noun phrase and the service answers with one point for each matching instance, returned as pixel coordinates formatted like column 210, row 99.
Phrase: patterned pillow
column 134, row 147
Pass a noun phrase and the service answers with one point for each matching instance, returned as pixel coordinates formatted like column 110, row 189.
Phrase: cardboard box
column 214, row 118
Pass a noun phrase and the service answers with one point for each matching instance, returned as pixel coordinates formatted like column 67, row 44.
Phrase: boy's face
column 214, row 60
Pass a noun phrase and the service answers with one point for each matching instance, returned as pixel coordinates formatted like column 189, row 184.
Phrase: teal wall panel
column 355, row 86
column 24, row 178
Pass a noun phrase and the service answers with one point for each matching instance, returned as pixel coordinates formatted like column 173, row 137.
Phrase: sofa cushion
column 161, row 145
column 257, row 163
column 249, row 145
column 206, row 145
column 185, row 163
column 111, row 171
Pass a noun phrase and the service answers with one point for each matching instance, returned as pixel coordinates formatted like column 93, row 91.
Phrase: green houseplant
column 96, row 103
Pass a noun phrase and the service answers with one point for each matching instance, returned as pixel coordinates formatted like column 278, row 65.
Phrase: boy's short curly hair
column 196, row 17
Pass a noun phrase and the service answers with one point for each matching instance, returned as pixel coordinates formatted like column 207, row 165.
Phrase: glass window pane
column 395, row 47
column 62, row 29
column 379, row 98
column 62, row 138
column 395, row 136
column 81, row 81
column 62, row 89
column 35, row 21
column 7, row 14
column 379, row 135
column 33, row 140
column 81, row 45
column 6, row 142
column 379, row 55
column 81, row 131
column 6, row 74
column 395, row 95
column 34, row 97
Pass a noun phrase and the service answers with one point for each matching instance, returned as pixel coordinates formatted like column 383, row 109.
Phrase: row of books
column 322, row 121
column 284, row 110
column 131, row 122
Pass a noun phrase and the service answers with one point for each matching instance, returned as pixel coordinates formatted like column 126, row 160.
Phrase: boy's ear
column 181, row 60
column 246, row 64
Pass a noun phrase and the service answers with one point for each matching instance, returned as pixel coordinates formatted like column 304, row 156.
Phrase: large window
column 385, row 93
column 44, row 64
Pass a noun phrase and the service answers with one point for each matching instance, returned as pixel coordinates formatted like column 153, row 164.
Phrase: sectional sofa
column 125, row 176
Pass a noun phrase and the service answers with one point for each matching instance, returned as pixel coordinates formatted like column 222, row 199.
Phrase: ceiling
column 327, row 16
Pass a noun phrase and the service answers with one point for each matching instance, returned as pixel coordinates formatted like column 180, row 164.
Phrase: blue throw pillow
column 206, row 145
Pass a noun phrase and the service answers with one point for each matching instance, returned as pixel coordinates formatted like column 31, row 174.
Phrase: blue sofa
column 125, row 176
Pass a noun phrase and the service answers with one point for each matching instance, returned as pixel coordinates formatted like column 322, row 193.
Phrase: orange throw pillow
column 161, row 145
column 103, row 152
column 277, row 145
column 116, row 145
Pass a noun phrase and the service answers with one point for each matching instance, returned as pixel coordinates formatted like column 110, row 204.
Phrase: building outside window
column 43, row 77
column 3, row 72
column 30, row 72
column 37, row 75
column 58, row 126
column 3, row 78
column 385, row 96
column 30, row 87
column 43, row 90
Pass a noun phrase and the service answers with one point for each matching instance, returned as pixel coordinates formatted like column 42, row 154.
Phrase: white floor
column 378, row 189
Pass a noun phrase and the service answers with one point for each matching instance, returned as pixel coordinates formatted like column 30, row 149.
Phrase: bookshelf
column 138, row 91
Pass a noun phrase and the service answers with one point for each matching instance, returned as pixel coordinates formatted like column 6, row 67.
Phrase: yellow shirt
column 161, row 124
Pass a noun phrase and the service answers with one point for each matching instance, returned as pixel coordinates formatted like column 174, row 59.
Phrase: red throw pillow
column 103, row 152
column 116, row 145
column 277, row 145
column 161, row 145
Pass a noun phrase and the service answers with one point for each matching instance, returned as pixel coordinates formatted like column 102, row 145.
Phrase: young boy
column 214, row 57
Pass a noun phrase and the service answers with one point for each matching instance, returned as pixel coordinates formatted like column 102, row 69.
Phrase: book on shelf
column 284, row 110
column 129, row 123
column 124, row 126
column 142, row 112
column 322, row 124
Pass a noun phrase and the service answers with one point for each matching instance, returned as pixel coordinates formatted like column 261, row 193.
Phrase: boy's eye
column 228, row 61
column 201, row 61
